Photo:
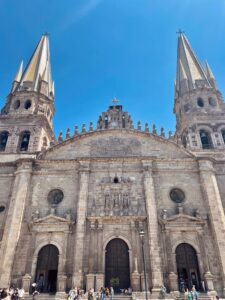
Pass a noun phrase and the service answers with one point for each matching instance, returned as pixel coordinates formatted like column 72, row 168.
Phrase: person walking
column 111, row 293
column 21, row 293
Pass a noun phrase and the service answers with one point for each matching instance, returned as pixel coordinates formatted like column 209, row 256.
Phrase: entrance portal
column 47, row 269
column 187, row 267
column 117, row 266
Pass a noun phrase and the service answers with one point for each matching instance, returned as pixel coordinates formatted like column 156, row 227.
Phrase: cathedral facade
column 72, row 208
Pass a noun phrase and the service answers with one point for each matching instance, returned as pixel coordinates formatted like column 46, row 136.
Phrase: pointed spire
column 17, row 77
column 188, row 67
column 19, row 73
column 38, row 68
column 210, row 75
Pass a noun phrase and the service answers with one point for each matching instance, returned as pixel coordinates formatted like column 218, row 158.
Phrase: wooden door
column 117, row 264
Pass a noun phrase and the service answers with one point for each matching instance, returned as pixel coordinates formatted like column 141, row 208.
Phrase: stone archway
column 47, row 269
column 117, row 264
column 187, row 267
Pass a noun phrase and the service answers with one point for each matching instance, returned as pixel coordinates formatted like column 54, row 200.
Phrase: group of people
column 101, row 294
column 74, row 294
column 191, row 294
column 12, row 293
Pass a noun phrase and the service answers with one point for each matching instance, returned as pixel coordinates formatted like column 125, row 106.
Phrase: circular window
column 200, row 102
column 16, row 104
column 2, row 208
column 55, row 196
column 212, row 102
column 27, row 104
column 177, row 195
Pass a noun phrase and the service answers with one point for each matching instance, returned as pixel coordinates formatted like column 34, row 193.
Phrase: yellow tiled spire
column 38, row 68
column 188, row 64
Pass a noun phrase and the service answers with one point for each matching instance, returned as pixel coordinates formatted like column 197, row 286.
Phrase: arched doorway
column 187, row 267
column 117, row 264
column 47, row 269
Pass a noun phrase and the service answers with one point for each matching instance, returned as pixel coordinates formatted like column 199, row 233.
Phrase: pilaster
column 152, row 224
column 81, row 224
column 14, row 220
column 212, row 196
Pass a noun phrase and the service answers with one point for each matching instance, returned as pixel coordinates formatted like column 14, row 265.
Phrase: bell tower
column 26, row 118
column 199, row 107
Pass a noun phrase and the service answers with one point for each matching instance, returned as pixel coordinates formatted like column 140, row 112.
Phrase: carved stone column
column 153, row 230
column 100, row 268
column 99, row 281
column 61, row 284
column 81, row 224
column 216, row 212
column 90, row 283
column 26, row 282
column 14, row 221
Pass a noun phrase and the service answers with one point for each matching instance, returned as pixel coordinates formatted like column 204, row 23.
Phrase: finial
column 180, row 32
column 139, row 125
column 162, row 132
column 91, row 126
column 115, row 101
column 46, row 33
column 154, row 130
column 68, row 133
column 146, row 127
column 83, row 128
column 131, row 124
column 76, row 130
column 60, row 138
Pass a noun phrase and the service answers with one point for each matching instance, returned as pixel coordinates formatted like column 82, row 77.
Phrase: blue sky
column 102, row 49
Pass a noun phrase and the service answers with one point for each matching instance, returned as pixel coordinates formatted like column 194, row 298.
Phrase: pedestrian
column 111, row 293
column 194, row 293
column 21, row 293
column 163, row 290
column 34, row 291
column 90, row 294
column 4, row 294
column 186, row 294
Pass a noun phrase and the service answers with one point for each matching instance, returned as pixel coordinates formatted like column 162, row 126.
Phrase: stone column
column 153, row 230
column 216, row 212
column 100, row 278
column 81, row 225
column 14, row 220
column 173, row 278
column 90, row 281
column 26, row 282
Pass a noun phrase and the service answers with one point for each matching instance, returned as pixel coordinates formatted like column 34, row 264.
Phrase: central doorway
column 187, row 267
column 47, row 269
column 117, row 267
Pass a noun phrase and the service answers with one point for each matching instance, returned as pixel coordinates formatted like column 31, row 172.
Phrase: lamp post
column 142, row 234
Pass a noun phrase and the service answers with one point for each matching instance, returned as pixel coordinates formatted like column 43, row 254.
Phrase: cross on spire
column 180, row 32
column 115, row 101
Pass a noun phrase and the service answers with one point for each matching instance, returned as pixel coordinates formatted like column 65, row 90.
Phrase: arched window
column 223, row 135
column 106, row 121
column 24, row 141
column 27, row 104
column 205, row 139
column 3, row 140
column 200, row 102
column 123, row 121
column 184, row 141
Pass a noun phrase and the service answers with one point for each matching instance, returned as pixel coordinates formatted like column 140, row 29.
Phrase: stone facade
column 110, row 183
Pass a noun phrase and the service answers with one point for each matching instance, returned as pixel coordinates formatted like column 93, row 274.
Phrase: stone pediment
column 182, row 222
column 116, row 143
column 51, row 223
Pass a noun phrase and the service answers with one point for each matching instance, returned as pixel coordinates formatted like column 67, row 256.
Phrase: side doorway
column 47, row 269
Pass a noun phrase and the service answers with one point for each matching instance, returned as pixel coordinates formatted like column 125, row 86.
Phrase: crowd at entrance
column 117, row 270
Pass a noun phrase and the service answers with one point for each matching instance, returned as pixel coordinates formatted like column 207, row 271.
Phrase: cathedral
column 113, row 203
